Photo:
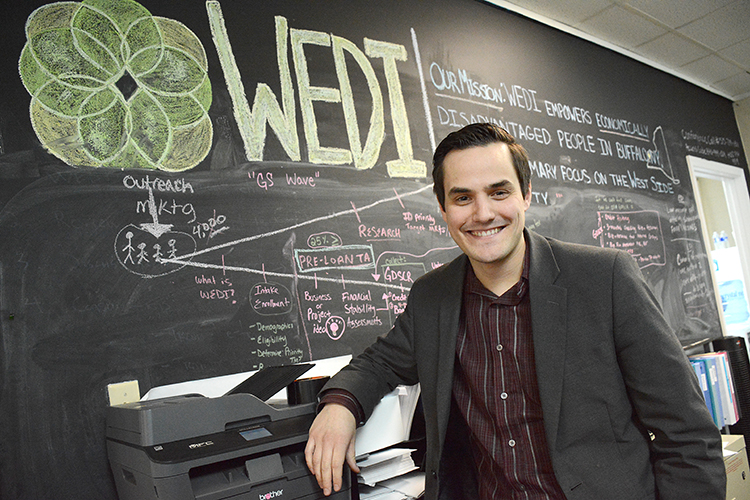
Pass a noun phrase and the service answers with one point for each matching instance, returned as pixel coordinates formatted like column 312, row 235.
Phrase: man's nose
column 483, row 210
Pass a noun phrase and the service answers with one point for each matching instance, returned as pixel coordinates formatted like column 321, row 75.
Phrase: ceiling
column 706, row 42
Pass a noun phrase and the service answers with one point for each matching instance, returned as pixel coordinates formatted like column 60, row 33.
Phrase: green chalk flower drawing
column 113, row 86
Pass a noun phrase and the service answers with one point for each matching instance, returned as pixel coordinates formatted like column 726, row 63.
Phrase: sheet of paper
column 384, row 465
column 390, row 422
column 382, row 456
column 215, row 387
column 408, row 486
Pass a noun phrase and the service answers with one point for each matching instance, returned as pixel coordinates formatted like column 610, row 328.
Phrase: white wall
column 742, row 115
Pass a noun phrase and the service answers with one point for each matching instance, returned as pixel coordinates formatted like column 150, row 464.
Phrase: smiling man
column 484, row 206
column 547, row 368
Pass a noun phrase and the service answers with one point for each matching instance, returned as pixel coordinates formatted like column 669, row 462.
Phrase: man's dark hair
column 478, row 134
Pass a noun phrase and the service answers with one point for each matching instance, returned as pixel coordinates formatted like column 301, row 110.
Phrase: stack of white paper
column 407, row 486
column 389, row 425
column 390, row 422
column 384, row 465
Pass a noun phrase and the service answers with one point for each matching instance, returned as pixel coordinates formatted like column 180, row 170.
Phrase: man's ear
column 527, row 198
column 442, row 209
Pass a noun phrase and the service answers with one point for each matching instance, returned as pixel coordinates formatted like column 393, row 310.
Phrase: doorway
column 724, row 204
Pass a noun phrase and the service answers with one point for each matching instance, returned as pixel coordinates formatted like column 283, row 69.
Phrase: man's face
column 484, row 207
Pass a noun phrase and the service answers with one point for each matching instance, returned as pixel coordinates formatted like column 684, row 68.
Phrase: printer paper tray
column 278, row 475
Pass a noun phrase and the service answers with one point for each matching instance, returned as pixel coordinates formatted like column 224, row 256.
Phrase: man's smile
column 485, row 232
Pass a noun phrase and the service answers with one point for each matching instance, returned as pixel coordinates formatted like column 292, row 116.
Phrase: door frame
column 738, row 202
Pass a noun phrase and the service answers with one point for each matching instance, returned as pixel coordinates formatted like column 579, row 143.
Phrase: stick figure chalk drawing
column 113, row 86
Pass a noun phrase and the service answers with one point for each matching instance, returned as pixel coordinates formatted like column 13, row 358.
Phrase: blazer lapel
column 548, row 323
column 449, row 301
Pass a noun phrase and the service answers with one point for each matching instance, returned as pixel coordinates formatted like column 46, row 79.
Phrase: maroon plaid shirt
column 496, row 389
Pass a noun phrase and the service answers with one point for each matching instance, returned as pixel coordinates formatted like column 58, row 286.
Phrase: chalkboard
column 257, row 191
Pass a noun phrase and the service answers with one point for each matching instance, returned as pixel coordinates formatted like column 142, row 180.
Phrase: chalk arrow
column 154, row 227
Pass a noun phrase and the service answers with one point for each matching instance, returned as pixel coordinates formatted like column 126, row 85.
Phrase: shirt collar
column 512, row 296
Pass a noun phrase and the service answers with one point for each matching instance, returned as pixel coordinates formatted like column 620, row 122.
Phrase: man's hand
column 331, row 441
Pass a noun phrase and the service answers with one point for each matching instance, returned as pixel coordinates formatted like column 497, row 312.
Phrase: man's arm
column 686, row 449
column 330, row 443
column 365, row 380
column 390, row 361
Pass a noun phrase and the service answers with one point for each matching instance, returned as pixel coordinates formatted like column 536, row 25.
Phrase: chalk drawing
column 113, row 86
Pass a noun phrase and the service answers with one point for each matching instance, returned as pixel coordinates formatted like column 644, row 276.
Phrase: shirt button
column 503, row 395
column 512, row 443
column 499, row 347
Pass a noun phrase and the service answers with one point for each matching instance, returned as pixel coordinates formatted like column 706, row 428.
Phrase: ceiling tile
column 660, row 31
column 671, row 50
column 721, row 28
column 570, row 13
column 739, row 53
column 621, row 27
column 710, row 69
column 737, row 86
column 676, row 14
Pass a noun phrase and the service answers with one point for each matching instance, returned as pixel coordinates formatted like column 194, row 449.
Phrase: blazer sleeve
column 686, row 448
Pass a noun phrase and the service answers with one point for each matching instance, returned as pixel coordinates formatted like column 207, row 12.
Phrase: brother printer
column 230, row 447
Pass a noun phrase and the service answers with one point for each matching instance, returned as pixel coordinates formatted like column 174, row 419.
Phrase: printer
column 230, row 447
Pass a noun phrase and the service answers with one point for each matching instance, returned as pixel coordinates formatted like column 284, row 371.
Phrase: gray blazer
column 623, row 413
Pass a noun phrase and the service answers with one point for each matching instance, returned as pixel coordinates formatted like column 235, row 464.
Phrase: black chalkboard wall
column 203, row 227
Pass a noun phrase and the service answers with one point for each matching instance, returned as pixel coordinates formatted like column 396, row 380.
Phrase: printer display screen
column 253, row 434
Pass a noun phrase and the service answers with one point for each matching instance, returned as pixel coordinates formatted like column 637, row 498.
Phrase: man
column 547, row 369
